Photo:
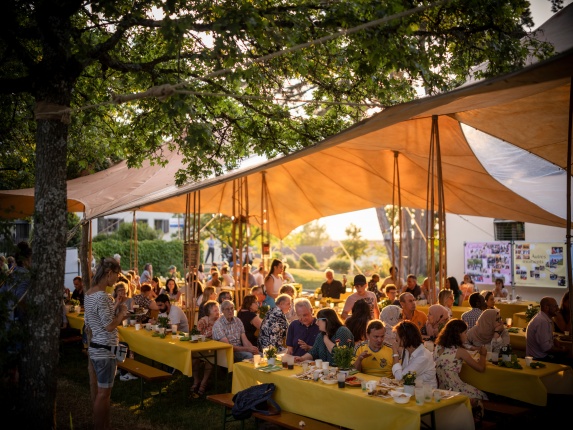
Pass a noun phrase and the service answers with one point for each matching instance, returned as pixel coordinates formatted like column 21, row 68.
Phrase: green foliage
column 292, row 264
column 409, row 378
column 308, row 261
column 530, row 312
column 163, row 322
column 73, row 226
column 343, row 355
column 339, row 265
column 354, row 245
column 310, row 279
column 125, row 233
column 271, row 352
column 311, row 234
column 159, row 253
column 277, row 254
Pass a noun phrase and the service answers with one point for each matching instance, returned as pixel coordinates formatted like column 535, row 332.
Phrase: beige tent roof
column 354, row 169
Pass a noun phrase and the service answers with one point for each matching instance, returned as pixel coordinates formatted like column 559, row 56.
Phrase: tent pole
column 568, row 200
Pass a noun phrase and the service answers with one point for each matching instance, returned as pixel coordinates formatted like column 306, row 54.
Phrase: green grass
column 309, row 279
column 172, row 410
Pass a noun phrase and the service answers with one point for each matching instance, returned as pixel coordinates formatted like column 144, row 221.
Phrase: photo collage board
column 536, row 264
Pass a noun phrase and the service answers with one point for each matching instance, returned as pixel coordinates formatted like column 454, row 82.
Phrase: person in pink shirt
column 361, row 293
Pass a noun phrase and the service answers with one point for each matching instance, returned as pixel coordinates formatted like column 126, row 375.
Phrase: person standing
column 274, row 280
column 147, row 274
column 210, row 249
column 102, row 317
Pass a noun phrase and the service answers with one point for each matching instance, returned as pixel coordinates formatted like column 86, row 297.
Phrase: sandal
column 201, row 390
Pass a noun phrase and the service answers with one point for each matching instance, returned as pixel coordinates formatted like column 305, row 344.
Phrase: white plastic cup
column 256, row 360
column 174, row 328
column 371, row 385
column 316, row 374
column 528, row 360
column 124, row 323
column 325, row 365
column 318, row 363
column 138, row 326
column 508, row 322
column 495, row 357
column 428, row 392
column 148, row 326
column 132, row 322
column 420, row 395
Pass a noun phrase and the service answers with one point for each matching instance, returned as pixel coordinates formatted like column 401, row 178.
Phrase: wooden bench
column 144, row 372
column 285, row 419
column 506, row 413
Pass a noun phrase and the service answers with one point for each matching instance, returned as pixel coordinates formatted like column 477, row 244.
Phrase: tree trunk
column 38, row 378
column 44, row 301
column 413, row 243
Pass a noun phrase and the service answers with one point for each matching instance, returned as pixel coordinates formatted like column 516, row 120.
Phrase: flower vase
column 271, row 361
column 409, row 389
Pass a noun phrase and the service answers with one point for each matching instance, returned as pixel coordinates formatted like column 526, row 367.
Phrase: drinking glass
column 290, row 362
column 420, row 395
column 508, row 321
column 256, row 360
column 341, row 379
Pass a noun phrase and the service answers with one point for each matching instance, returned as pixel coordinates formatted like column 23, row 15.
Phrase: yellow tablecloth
column 508, row 309
column 173, row 352
column 519, row 319
column 352, row 407
column 75, row 320
column 527, row 384
column 517, row 340
column 457, row 311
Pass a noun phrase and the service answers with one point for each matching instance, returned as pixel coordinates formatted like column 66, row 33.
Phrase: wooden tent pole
column 568, row 200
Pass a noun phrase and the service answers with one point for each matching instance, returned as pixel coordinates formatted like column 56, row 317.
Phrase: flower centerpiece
column 409, row 380
column 271, row 354
column 194, row 333
column 343, row 355
column 74, row 305
column 530, row 312
column 505, row 352
column 163, row 322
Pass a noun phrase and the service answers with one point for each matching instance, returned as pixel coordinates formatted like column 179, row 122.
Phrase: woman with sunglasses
column 332, row 332
column 489, row 328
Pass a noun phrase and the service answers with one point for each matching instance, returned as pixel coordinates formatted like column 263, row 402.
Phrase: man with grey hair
column 230, row 329
column 331, row 288
column 302, row 332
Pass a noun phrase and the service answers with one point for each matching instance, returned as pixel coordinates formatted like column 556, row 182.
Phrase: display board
column 487, row 261
column 539, row 264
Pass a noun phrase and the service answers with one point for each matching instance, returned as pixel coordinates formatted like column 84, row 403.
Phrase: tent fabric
column 353, row 170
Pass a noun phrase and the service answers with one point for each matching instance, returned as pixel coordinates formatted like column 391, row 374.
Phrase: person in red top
column 410, row 313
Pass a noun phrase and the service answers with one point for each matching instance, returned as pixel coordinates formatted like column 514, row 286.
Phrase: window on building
column 108, row 225
column 509, row 230
column 162, row 224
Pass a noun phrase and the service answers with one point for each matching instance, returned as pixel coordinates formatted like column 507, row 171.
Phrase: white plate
column 329, row 381
column 447, row 394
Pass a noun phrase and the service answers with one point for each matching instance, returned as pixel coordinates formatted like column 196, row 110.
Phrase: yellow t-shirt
column 379, row 363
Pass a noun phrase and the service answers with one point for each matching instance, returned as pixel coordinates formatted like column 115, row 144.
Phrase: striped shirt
column 98, row 315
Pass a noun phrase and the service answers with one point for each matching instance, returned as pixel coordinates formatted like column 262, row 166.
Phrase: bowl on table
column 400, row 396
column 329, row 381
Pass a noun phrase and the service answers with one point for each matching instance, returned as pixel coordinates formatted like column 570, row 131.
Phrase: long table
column 527, row 384
column 76, row 320
column 352, row 407
column 173, row 352
column 506, row 310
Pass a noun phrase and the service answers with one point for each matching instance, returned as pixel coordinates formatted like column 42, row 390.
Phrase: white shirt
column 177, row 316
column 422, row 362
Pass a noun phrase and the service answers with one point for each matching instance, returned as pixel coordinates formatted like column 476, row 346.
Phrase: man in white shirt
column 174, row 313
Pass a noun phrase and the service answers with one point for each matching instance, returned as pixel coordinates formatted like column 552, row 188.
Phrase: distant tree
column 312, row 234
column 355, row 246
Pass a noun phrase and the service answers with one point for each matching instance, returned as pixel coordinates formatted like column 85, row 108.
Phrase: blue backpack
column 254, row 399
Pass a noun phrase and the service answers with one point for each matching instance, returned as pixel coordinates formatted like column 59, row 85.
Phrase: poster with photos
column 540, row 264
column 487, row 261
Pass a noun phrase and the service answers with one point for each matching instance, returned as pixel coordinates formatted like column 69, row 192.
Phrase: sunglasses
column 321, row 319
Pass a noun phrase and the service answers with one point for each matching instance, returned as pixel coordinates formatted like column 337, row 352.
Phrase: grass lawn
column 310, row 279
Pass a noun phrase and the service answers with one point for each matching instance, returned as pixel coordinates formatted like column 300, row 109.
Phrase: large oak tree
column 220, row 104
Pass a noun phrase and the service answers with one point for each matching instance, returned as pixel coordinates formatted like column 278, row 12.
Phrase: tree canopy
column 222, row 80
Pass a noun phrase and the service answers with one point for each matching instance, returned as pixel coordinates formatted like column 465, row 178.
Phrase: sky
column 366, row 219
